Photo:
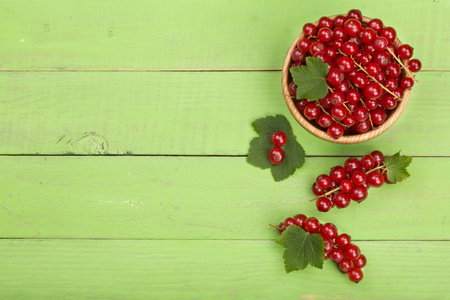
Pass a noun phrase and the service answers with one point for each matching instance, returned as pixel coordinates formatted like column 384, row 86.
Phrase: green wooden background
column 124, row 127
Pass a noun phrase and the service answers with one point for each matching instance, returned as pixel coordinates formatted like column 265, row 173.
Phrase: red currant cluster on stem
column 349, row 182
column 339, row 248
column 276, row 154
column 366, row 76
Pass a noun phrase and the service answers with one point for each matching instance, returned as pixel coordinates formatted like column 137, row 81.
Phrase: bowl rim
column 349, row 139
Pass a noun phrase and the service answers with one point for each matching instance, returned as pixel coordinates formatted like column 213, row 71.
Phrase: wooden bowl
column 393, row 115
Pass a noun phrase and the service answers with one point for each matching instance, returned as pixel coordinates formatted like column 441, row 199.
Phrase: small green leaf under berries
column 396, row 167
column 311, row 79
column 302, row 248
column 258, row 154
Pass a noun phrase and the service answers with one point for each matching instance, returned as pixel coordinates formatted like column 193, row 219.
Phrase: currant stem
column 401, row 63
column 371, row 77
column 276, row 227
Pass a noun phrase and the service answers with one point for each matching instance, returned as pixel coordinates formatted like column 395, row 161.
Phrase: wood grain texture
column 87, row 269
column 194, row 34
column 203, row 198
column 185, row 113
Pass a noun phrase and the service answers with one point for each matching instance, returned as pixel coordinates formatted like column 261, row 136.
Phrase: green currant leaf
column 311, row 79
column 396, row 167
column 258, row 154
column 302, row 248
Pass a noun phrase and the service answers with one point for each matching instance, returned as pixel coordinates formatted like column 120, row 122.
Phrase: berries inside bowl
column 347, row 78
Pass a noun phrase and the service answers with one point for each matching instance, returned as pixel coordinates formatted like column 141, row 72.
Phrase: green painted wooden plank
column 197, row 34
column 184, row 113
column 203, row 198
column 86, row 269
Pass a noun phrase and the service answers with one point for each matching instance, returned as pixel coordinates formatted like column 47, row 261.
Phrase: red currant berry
column 378, row 156
column 288, row 222
column 345, row 63
column 300, row 104
column 323, row 181
column 358, row 193
column 354, row 14
column 339, row 112
column 375, row 179
column 368, row 35
column 359, row 177
column 311, row 225
column 380, row 77
column 293, row 89
column 337, row 173
column 276, row 155
column 278, row 138
column 373, row 69
column 335, row 130
column 406, row 83
column 312, row 111
column 376, row 25
column 355, row 275
column 335, row 76
column 361, row 113
column 352, row 27
column 378, row 116
column 309, row 29
column 360, row 80
column 343, row 87
column 349, row 120
column 398, row 92
column 343, row 240
column 341, row 200
column 337, row 255
column 317, row 47
column 349, row 48
column 414, row 65
column 281, row 228
column 346, row 185
column 388, row 101
column 325, row 34
column 325, row 102
column 316, row 190
column 368, row 48
column 328, row 245
column 324, row 120
column 352, row 252
column 299, row 220
column 297, row 55
column 389, row 33
column 351, row 165
column 393, row 70
column 304, row 44
column 337, row 98
column 325, row 22
column 381, row 58
column 380, row 43
column 371, row 104
column 372, row 91
column 338, row 34
column 405, row 51
column 328, row 230
column 367, row 162
column 362, row 127
column 352, row 96
column 337, row 44
column 360, row 262
column 331, row 53
column 322, row 56
column 391, row 83
column 345, row 265
column 323, row 204
column 339, row 21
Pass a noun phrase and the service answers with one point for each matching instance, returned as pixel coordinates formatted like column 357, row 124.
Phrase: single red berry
column 325, row 22
column 300, row 219
column 393, row 70
column 373, row 69
column 328, row 245
column 375, row 179
column 345, row 265
column 360, row 262
column 304, row 44
column 368, row 35
column 278, row 138
column 360, row 80
column 343, row 87
column 371, row 104
column 351, row 165
column 341, row 200
column 335, row 76
column 297, row 55
column 325, row 34
column 335, row 130
column 355, row 275
column 288, row 222
column 337, row 98
column 330, row 53
column 398, row 92
column 339, row 34
column 378, row 116
column 362, row 127
column 376, row 25
column 311, row 225
column 378, row 156
column 354, row 14
column 373, row 91
column 352, row 96
column 328, row 230
column 345, row 63
column 276, row 155
column 380, row 43
column 337, row 173
column 358, row 193
column 281, row 227
column 388, row 101
column 414, row 65
column 346, row 185
column 312, row 111
column 349, row 120
column 361, row 113
column 389, row 33
column 293, row 89
column 317, row 47
column 316, row 190
column 382, row 58
column 324, row 120
column 367, row 162
column 309, row 29
column 405, row 51
column 337, row 255
column 352, row 27
column 359, row 177
column 323, row 181
column 349, row 48
column 343, row 240
column 325, row 102
column 338, row 112
column 323, row 204
column 391, row 83
column 339, row 21
column 406, row 83
column 352, row 252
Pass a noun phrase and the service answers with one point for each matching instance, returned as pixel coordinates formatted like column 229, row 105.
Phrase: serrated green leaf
column 302, row 248
column 295, row 158
column 258, row 154
column 396, row 167
column 311, row 79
